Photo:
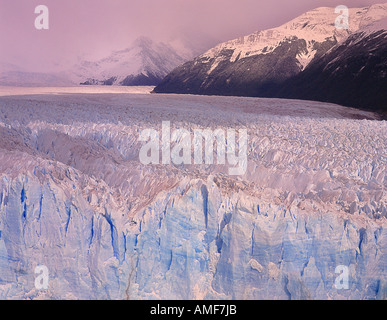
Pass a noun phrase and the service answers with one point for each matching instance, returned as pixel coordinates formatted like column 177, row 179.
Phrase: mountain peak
column 144, row 62
column 143, row 41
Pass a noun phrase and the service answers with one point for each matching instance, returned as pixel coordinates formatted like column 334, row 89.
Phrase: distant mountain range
column 306, row 58
column 145, row 62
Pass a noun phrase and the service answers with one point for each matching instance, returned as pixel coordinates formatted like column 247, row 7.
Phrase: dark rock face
column 353, row 74
column 141, row 80
column 108, row 82
column 251, row 76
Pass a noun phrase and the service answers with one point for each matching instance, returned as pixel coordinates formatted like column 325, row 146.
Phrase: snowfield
column 74, row 197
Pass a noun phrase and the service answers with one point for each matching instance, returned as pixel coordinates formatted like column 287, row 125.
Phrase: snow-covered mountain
column 145, row 62
column 314, row 27
column 255, row 65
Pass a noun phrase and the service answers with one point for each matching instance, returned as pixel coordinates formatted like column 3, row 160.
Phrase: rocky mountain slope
column 260, row 64
column 353, row 73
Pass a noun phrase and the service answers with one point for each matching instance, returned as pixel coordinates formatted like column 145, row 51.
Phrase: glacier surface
column 75, row 198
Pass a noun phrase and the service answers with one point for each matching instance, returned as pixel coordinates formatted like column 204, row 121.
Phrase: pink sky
column 93, row 28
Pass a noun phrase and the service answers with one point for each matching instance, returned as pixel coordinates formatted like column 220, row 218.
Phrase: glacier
column 75, row 198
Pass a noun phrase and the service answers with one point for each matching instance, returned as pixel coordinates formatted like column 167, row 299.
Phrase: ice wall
column 190, row 243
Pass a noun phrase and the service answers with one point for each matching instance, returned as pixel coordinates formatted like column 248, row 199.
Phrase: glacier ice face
column 191, row 243
column 75, row 198
column 241, row 249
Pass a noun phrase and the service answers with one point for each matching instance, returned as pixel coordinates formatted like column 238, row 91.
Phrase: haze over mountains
column 143, row 62
column 296, row 60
